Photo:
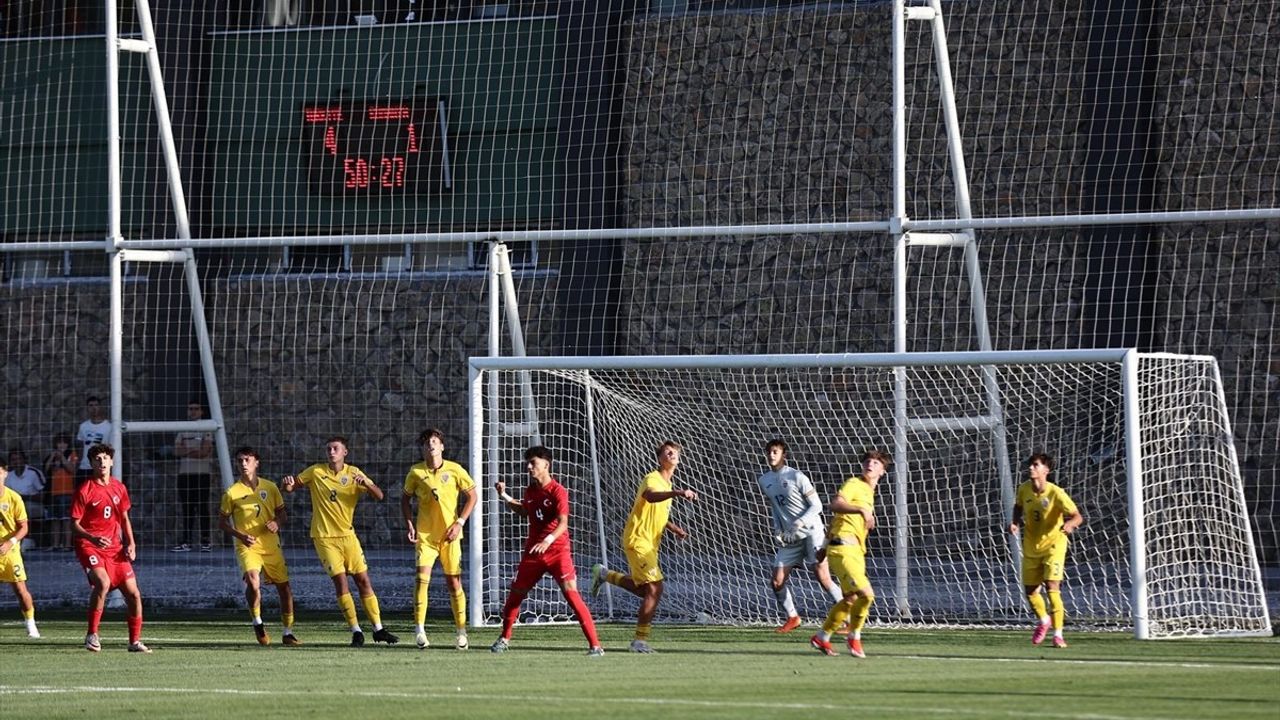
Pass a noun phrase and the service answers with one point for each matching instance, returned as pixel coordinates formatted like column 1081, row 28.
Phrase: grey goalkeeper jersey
column 793, row 502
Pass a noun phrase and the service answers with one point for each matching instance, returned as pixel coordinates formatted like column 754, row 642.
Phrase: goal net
column 1149, row 459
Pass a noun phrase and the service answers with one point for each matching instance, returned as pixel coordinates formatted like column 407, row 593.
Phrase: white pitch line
column 563, row 701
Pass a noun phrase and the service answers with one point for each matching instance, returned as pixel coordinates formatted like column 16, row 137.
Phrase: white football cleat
column 641, row 646
column 463, row 643
column 423, row 642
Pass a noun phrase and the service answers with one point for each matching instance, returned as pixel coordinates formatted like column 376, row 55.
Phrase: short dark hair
column 875, row 454
column 19, row 452
column 429, row 433
column 537, row 451
column 101, row 449
column 196, row 401
column 247, row 452
column 1041, row 457
column 777, row 442
column 339, row 438
column 93, row 398
column 667, row 444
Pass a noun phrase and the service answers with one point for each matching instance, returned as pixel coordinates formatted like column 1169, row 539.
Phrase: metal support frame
column 118, row 255
column 961, row 237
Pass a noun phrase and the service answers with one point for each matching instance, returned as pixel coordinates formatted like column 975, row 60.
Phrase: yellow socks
column 371, row 610
column 420, row 599
column 458, row 599
column 348, row 608
column 1059, row 612
column 1037, row 607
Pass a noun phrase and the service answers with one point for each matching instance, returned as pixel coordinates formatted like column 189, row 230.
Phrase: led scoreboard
column 375, row 147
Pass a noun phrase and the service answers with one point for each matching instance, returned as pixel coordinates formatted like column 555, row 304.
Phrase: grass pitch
column 209, row 666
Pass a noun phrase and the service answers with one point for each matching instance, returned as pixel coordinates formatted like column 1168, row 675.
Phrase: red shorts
column 532, row 567
column 117, row 565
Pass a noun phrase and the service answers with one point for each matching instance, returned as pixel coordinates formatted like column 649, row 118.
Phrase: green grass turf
column 209, row 666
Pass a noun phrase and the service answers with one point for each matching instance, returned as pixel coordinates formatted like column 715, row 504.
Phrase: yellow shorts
column 1037, row 569
column 643, row 561
column 341, row 555
column 849, row 564
column 450, row 555
column 265, row 558
column 11, row 568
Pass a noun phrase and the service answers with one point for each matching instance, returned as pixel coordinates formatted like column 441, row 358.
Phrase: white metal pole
column 515, row 329
column 115, row 343
column 475, row 403
column 902, row 467
column 493, row 538
column 595, row 480
column 206, row 366
column 1137, row 519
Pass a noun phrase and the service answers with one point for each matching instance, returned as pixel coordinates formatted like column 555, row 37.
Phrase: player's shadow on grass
column 1127, row 696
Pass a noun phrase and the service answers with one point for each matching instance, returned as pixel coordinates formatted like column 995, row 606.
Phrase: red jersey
column 544, row 506
column 97, row 507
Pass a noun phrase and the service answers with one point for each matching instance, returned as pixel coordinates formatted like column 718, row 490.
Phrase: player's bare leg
column 371, row 609
column 99, row 586
column 285, row 591
column 650, row 595
column 785, row 601
column 133, row 606
column 253, row 596
column 27, row 606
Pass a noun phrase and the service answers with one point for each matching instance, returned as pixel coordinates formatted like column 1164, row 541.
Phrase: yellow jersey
column 251, row 509
column 437, row 492
column 648, row 519
column 333, row 499
column 1042, row 517
column 859, row 492
column 12, row 511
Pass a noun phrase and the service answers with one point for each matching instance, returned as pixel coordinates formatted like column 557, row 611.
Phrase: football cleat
column 422, row 641
column 823, row 646
column 33, row 633
column 641, row 646
column 499, row 646
column 792, row 623
column 462, row 642
column 595, row 651
column 357, row 638
column 1041, row 631
column 260, row 632
column 1058, row 642
column 597, row 578
column 855, row 648
column 385, row 635
column 92, row 643
column 291, row 640
column 138, row 647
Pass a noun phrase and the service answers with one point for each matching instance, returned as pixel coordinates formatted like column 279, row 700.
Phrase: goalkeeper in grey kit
column 796, row 510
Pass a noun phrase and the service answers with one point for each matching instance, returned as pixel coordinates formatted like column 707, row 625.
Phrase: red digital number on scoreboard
column 373, row 147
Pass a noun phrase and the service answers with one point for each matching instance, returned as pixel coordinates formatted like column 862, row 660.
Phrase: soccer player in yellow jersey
column 1047, row 516
column 13, row 528
column 439, row 486
column 853, row 511
column 252, row 510
column 640, row 539
column 335, row 488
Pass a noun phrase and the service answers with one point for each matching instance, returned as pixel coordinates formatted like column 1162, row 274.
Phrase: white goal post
column 1142, row 442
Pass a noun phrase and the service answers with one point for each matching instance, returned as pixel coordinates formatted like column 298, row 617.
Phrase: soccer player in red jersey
column 546, row 504
column 99, row 521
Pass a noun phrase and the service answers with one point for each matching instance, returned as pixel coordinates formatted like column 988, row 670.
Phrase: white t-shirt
column 91, row 433
column 26, row 480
